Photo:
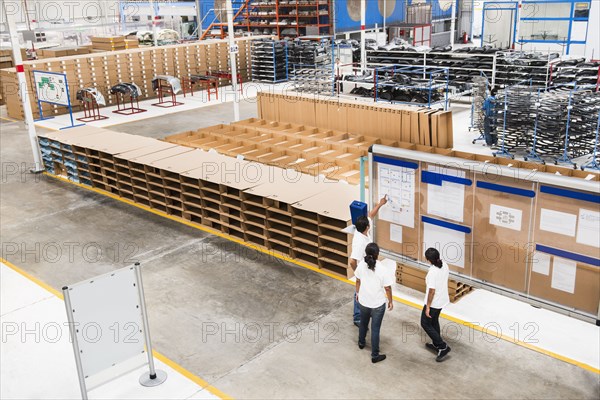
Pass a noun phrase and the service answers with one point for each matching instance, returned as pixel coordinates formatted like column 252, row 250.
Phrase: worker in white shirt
column 373, row 290
column 361, row 238
column 436, row 298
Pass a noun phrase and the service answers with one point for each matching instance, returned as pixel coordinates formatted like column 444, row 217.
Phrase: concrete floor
column 251, row 325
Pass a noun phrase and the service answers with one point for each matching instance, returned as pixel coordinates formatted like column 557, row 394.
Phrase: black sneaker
column 357, row 324
column 361, row 346
column 431, row 347
column 380, row 357
column 442, row 354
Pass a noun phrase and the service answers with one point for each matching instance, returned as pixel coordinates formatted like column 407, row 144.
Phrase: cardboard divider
column 408, row 124
column 138, row 65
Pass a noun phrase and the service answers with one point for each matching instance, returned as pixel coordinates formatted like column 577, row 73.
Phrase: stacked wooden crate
column 415, row 278
column 108, row 43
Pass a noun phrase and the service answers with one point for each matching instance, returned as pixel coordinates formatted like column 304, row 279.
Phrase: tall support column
column 363, row 50
column 23, row 91
column 233, row 52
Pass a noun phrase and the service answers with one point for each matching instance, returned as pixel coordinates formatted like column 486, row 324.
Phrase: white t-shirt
column 359, row 244
column 372, row 284
column 437, row 278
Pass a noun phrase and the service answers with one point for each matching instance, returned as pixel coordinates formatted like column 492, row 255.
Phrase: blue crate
column 357, row 209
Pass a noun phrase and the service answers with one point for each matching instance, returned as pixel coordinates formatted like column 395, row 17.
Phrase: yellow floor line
column 32, row 278
column 194, row 378
column 329, row 274
column 8, row 119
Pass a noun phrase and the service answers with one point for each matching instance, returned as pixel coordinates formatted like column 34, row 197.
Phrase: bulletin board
column 523, row 233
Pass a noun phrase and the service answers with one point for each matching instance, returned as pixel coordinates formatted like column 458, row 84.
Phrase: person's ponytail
column 372, row 252
column 433, row 256
column 370, row 262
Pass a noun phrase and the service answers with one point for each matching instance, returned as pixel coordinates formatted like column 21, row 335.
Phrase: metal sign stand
column 154, row 377
column 74, row 342
column 151, row 378
column 68, row 105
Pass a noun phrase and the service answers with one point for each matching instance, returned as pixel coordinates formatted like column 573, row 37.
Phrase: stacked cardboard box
column 106, row 69
column 132, row 43
column 422, row 126
column 108, row 43
column 55, row 52
column 415, row 278
column 6, row 58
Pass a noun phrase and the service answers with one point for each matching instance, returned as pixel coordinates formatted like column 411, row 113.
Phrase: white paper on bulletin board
column 396, row 233
column 450, row 243
column 563, row 274
column 398, row 183
column 505, row 217
column 588, row 228
column 447, row 200
column 541, row 263
column 558, row 222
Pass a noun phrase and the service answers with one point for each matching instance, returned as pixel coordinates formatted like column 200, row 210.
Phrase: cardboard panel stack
column 132, row 43
column 415, row 278
column 6, row 58
column 407, row 124
column 9, row 90
column 61, row 52
column 106, row 69
column 108, row 43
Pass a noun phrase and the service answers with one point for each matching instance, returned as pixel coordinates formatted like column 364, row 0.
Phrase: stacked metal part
column 463, row 63
column 480, row 85
column 576, row 71
column 551, row 115
column 517, row 102
column 269, row 60
column 311, row 66
column 583, row 122
column 552, row 121
column 515, row 66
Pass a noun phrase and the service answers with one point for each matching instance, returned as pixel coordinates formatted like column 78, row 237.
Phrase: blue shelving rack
column 269, row 61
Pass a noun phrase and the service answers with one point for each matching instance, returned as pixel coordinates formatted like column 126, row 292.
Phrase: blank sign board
column 108, row 320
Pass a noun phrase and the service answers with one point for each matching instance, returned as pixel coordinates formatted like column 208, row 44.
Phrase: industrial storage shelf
column 269, row 65
column 283, row 16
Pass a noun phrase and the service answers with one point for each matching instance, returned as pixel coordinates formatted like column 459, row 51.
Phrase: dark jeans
column 432, row 326
column 490, row 137
column 356, row 311
column 366, row 314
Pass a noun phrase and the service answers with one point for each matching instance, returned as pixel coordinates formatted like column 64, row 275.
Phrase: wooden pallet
column 415, row 279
